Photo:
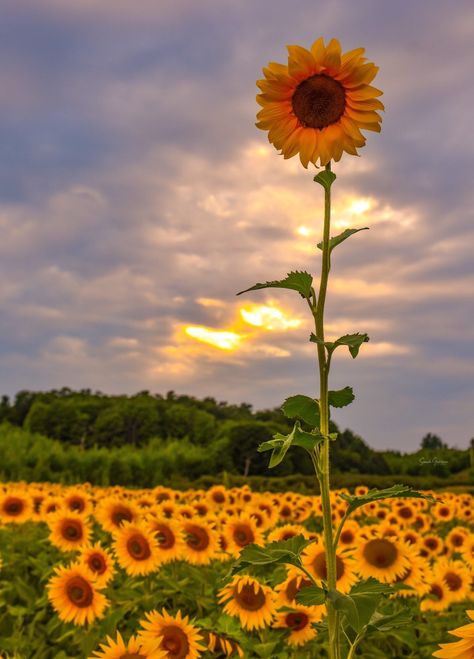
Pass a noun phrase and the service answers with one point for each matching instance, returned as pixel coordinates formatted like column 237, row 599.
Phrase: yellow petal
column 332, row 57
column 308, row 145
column 301, row 63
column 318, row 50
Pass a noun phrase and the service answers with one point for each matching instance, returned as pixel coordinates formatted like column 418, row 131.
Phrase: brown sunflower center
column 243, row 535
column 248, row 599
column 346, row 537
column 405, row 512
column 457, row 540
column 380, row 553
column 138, row 547
column 13, row 506
column 453, row 581
column 97, row 564
column 165, row 536
column 77, row 504
column 436, row 592
column 319, row 566
column 197, row 537
column 431, row 543
column 297, row 621
column 175, row 642
column 72, row 530
column 319, row 101
column 218, row 497
column 294, row 586
column 121, row 514
column 79, row 592
column 285, row 511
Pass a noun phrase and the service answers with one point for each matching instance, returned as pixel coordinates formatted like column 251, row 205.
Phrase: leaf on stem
column 333, row 242
column 352, row 341
column 281, row 443
column 300, row 281
column 283, row 551
column 396, row 491
column 325, row 178
column 311, row 596
column 341, row 397
column 359, row 606
column 302, row 407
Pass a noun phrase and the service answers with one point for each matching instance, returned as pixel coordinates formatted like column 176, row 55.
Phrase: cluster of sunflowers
column 429, row 548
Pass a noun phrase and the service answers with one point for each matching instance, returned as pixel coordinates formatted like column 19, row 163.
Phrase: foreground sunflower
column 249, row 600
column 73, row 594
column 463, row 649
column 134, row 649
column 318, row 104
column 177, row 637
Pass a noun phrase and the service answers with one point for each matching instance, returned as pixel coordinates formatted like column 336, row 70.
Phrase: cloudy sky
column 137, row 198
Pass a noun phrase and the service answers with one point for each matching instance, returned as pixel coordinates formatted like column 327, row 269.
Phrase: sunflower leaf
column 396, row 491
column 311, row 596
column 284, row 551
column 337, row 240
column 302, row 407
column 366, row 596
column 325, row 178
column 346, row 605
column 385, row 623
column 281, row 443
column 300, row 281
column 341, row 397
column 352, row 341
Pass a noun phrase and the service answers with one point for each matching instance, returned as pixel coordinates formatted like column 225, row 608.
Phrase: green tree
column 432, row 442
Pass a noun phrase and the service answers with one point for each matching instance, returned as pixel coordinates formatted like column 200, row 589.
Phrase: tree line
column 225, row 436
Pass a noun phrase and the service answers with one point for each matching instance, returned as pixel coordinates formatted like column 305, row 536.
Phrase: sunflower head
column 319, row 102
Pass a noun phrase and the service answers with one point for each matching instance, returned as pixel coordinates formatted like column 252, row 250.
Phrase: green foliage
column 300, row 281
column 334, row 242
column 352, row 341
column 283, row 551
column 341, row 397
column 325, row 178
column 394, row 492
column 302, row 407
column 280, row 444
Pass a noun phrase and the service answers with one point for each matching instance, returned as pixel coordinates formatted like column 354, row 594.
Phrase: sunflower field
column 146, row 574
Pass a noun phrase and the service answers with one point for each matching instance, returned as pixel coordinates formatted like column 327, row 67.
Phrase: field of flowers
column 144, row 574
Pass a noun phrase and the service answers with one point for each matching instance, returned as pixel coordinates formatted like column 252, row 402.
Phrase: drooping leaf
column 333, row 242
column 396, row 491
column 300, row 281
column 341, row 397
column 346, row 605
column 311, row 596
column 325, row 178
column 302, row 407
column 352, row 341
column 281, row 443
column 385, row 623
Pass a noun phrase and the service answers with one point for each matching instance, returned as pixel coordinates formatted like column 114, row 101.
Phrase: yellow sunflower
column 112, row 512
column 314, row 560
column 218, row 644
column 457, row 577
column 100, row 562
column 176, row 635
column 463, row 649
column 249, row 600
column 73, row 594
column 299, row 623
column 68, row 531
column 241, row 531
column 287, row 590
column 77, row 501
column 443, row 512
column 318, row 104
column 438, row 598
column 15, row 507
column 467, row 551
column 456, row 538
column 169, row 537
column 201, row 543
column 136, row 549
column 134, row 649
column 384, row 558
column 286, row 532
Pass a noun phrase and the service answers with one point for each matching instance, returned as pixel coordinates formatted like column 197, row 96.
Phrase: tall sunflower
column 73, row 594
column 319, row 102
column 176, row 635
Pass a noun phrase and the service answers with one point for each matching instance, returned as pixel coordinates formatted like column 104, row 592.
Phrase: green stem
column 323, row 475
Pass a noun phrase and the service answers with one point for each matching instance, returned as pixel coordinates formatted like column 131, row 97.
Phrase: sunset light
column 269, row 318
column 223, row 340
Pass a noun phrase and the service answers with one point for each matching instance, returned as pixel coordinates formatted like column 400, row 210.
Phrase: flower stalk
column 321, row 461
